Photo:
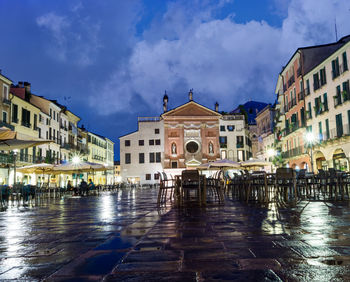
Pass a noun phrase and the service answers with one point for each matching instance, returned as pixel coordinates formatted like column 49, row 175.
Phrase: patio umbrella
column 225, row 163
column 255, row 163
column 203, row 166
column 42, row 168
column 11, row 140
column 36, row 168
column 71, row 167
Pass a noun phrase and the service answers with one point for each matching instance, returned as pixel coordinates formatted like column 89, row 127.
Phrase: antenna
column 335, row 27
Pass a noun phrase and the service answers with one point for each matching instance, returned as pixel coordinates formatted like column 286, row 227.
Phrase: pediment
column 193, row 162
column 191, row 109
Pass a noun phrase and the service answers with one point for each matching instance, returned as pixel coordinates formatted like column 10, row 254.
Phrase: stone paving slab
column 123, row 237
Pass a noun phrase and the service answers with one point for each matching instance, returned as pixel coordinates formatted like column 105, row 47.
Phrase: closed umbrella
column 225, row 163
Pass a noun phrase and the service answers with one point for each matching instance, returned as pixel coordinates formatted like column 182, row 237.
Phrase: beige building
column 5, row 102
column 328, row 110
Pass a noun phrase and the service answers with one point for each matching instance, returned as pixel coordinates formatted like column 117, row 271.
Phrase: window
column 173, row 164
column 327, row 128
column 192, row 147
column 148, row 176
column 156, row 176
column 337, row 98
column 141, row 142
column 339, row 124
column 4, row 117
column 307, row 90
column 151, row 157
column 158, row 157
column 325, row 102
column 127, row 158
column 50, row 112
column 141, row 158
column 323, row 76
column 230, row 127
column 39, row 130
column 5, row 92
column 240, row 141
column 14, row 113
column 346, row 91
column 127, row 143
column 47, row 135
column 54, row 115
column 26, row 118
column 157, row 141
column 316, row 82
column 223, row 141
column 222, row 127
column 35, row 121
column 345, row 62
column 335, row 68
column 320, row 136
column 156, row 131
column 151, row 142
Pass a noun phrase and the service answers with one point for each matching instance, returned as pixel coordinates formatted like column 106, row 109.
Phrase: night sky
column 111, row 61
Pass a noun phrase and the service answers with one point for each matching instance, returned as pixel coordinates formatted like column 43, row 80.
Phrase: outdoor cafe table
column 203, row 189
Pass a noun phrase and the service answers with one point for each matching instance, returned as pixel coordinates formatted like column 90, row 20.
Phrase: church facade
column 181, row 138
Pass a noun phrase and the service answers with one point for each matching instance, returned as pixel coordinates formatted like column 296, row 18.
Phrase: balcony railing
column 301, row 95
column 6, row 101
column 293, row 152
column 239, row 145
column 26, row 124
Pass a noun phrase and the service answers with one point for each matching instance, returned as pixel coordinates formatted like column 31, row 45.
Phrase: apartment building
column 328, row 110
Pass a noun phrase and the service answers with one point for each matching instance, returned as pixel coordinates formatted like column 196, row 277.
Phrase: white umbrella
column 79, row 166
column 255, row 162
column 11, row 140
column 225, row 163
column 36, row 168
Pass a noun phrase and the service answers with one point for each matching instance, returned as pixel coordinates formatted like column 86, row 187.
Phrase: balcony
column 5, row 124
column 292, row 103
column 291, row 81
column 99, row 158
column 293, row 152
column 6, row 158
column 6, row 101
column 301, row 95
column 223, row 145
column 239, row 145
column 307, row 91
column 26, row 124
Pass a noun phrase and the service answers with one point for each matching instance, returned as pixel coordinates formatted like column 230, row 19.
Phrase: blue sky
column 111, row 61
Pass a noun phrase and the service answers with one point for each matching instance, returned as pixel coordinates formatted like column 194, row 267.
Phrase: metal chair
column 190, row 182
column 166, row 185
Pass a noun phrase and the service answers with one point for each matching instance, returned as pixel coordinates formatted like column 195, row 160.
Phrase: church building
column 184, row 137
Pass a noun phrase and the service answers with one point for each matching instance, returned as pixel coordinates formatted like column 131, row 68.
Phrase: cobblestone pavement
column 123, row 237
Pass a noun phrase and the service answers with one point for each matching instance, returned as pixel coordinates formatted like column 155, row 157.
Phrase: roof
column 251, row 108
column 172, row 111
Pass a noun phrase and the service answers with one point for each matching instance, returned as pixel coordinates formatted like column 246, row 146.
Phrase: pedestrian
column 69, row 186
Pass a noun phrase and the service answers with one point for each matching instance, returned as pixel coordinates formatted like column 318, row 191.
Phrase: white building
column 141, row 152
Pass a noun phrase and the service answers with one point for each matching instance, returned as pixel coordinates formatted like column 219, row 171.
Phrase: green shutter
column 325, row 101
column 320, row 130
column 327, row 128
column 339, row 124
column 345, row 62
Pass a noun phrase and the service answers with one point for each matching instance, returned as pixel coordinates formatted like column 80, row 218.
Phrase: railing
column 292, row 103
column 239, row 145
column 316, row 85
column 223, row 145
column 293, row 152
column 233, row 117
column 334, row 133
column 307, row 91
column 6, row 158
column 6, row 101
column 99, row 158
column 148, row 119
column 291, row 80
column 301, row 95
column 5, row 124
column 26, row 124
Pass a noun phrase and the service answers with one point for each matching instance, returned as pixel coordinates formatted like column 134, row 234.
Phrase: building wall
column 5, row 103
column 136, row 172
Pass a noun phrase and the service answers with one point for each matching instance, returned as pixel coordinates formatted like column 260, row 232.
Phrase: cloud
column 221, row 59
column 74, row 40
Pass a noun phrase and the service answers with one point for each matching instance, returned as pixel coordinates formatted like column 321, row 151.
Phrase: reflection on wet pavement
column 122, row 236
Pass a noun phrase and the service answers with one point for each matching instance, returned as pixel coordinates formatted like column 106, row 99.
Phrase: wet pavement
column 121, row 236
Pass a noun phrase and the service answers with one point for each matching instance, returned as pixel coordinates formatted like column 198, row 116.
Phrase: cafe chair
column 166, row 187
column 190, row 186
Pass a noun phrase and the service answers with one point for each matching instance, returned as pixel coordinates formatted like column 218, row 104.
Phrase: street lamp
column 310, row 139
column 271, row 152
column 76, row 161
column 15, row 152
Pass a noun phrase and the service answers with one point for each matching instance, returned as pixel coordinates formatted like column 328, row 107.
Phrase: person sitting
column 69, row 186
column 91, row 185
column 83, row 187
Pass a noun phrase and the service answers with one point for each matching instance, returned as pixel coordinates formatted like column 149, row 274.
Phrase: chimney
column 216, row 107
column 20, row 84
column 27, row 86
column 190, row 95
column 165, row 102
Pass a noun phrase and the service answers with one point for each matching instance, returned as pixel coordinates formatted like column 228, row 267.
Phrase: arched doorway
column 340, row 161
column 320, row 161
